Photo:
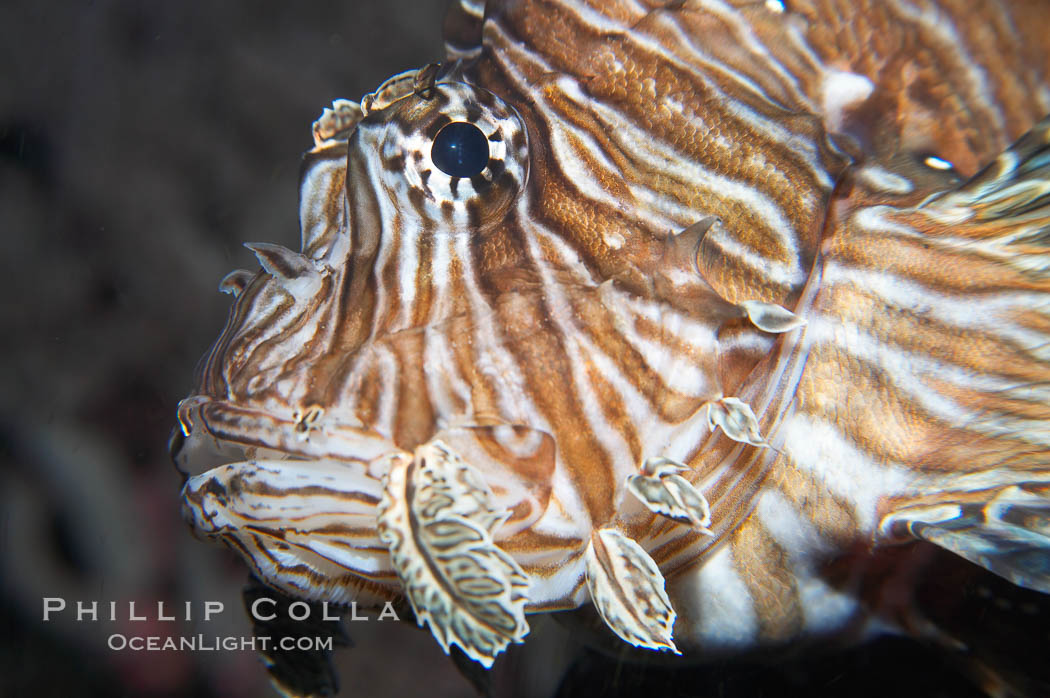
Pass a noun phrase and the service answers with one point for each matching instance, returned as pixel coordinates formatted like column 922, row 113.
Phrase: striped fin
column 1009, row 199
column 910, row 86
column 1008, row 535
column 293, row 671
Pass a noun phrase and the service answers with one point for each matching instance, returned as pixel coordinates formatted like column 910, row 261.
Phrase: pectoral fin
column 1008, row 533
column 1015, row 186
column 985, row 492
column 296, row 672
column 1003, row 211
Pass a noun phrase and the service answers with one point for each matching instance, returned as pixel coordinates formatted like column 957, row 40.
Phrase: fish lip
column 202, row 523
column 218, row 432
column 176, row 442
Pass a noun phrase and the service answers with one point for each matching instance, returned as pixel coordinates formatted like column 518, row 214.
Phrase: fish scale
column 731, row 238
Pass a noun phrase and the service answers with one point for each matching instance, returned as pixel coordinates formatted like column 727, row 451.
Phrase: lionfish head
column 484, row 272
column 474, row 330
column 594, row 305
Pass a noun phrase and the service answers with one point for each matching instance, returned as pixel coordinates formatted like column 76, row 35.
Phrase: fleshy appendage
column 663, row 491
column 437, row 519
column 627, row 589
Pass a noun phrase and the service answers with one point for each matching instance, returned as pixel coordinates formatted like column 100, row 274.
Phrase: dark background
column 141, row 143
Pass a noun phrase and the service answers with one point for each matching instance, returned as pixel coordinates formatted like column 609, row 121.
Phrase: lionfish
column 662, row 307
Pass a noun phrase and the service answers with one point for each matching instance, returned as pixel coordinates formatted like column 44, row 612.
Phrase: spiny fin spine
column 770, row 317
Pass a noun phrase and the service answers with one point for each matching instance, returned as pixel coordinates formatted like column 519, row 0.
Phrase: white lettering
column 160, row 612
column 212, row 608
column 388, row 611
column 324, row 610
column 50, row 605
column 117, row 642
column 83, row 610
column 291, row 610
column 255, row 609
column 131, row 613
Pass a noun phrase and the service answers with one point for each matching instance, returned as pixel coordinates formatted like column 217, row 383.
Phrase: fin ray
column 1008, row 535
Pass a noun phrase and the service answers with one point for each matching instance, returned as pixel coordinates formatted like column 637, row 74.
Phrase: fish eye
column 456, row 159
column 460, row 150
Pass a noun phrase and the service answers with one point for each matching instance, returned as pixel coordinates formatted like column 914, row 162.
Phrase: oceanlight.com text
column 214, row 643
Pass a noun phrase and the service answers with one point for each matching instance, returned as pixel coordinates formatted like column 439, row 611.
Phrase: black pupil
column 460, row 150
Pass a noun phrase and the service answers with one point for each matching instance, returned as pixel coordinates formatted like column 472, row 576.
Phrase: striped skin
column 554, row 293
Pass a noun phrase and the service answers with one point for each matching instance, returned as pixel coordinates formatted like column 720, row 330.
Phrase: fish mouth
column 211, row 433
column 296, row 496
